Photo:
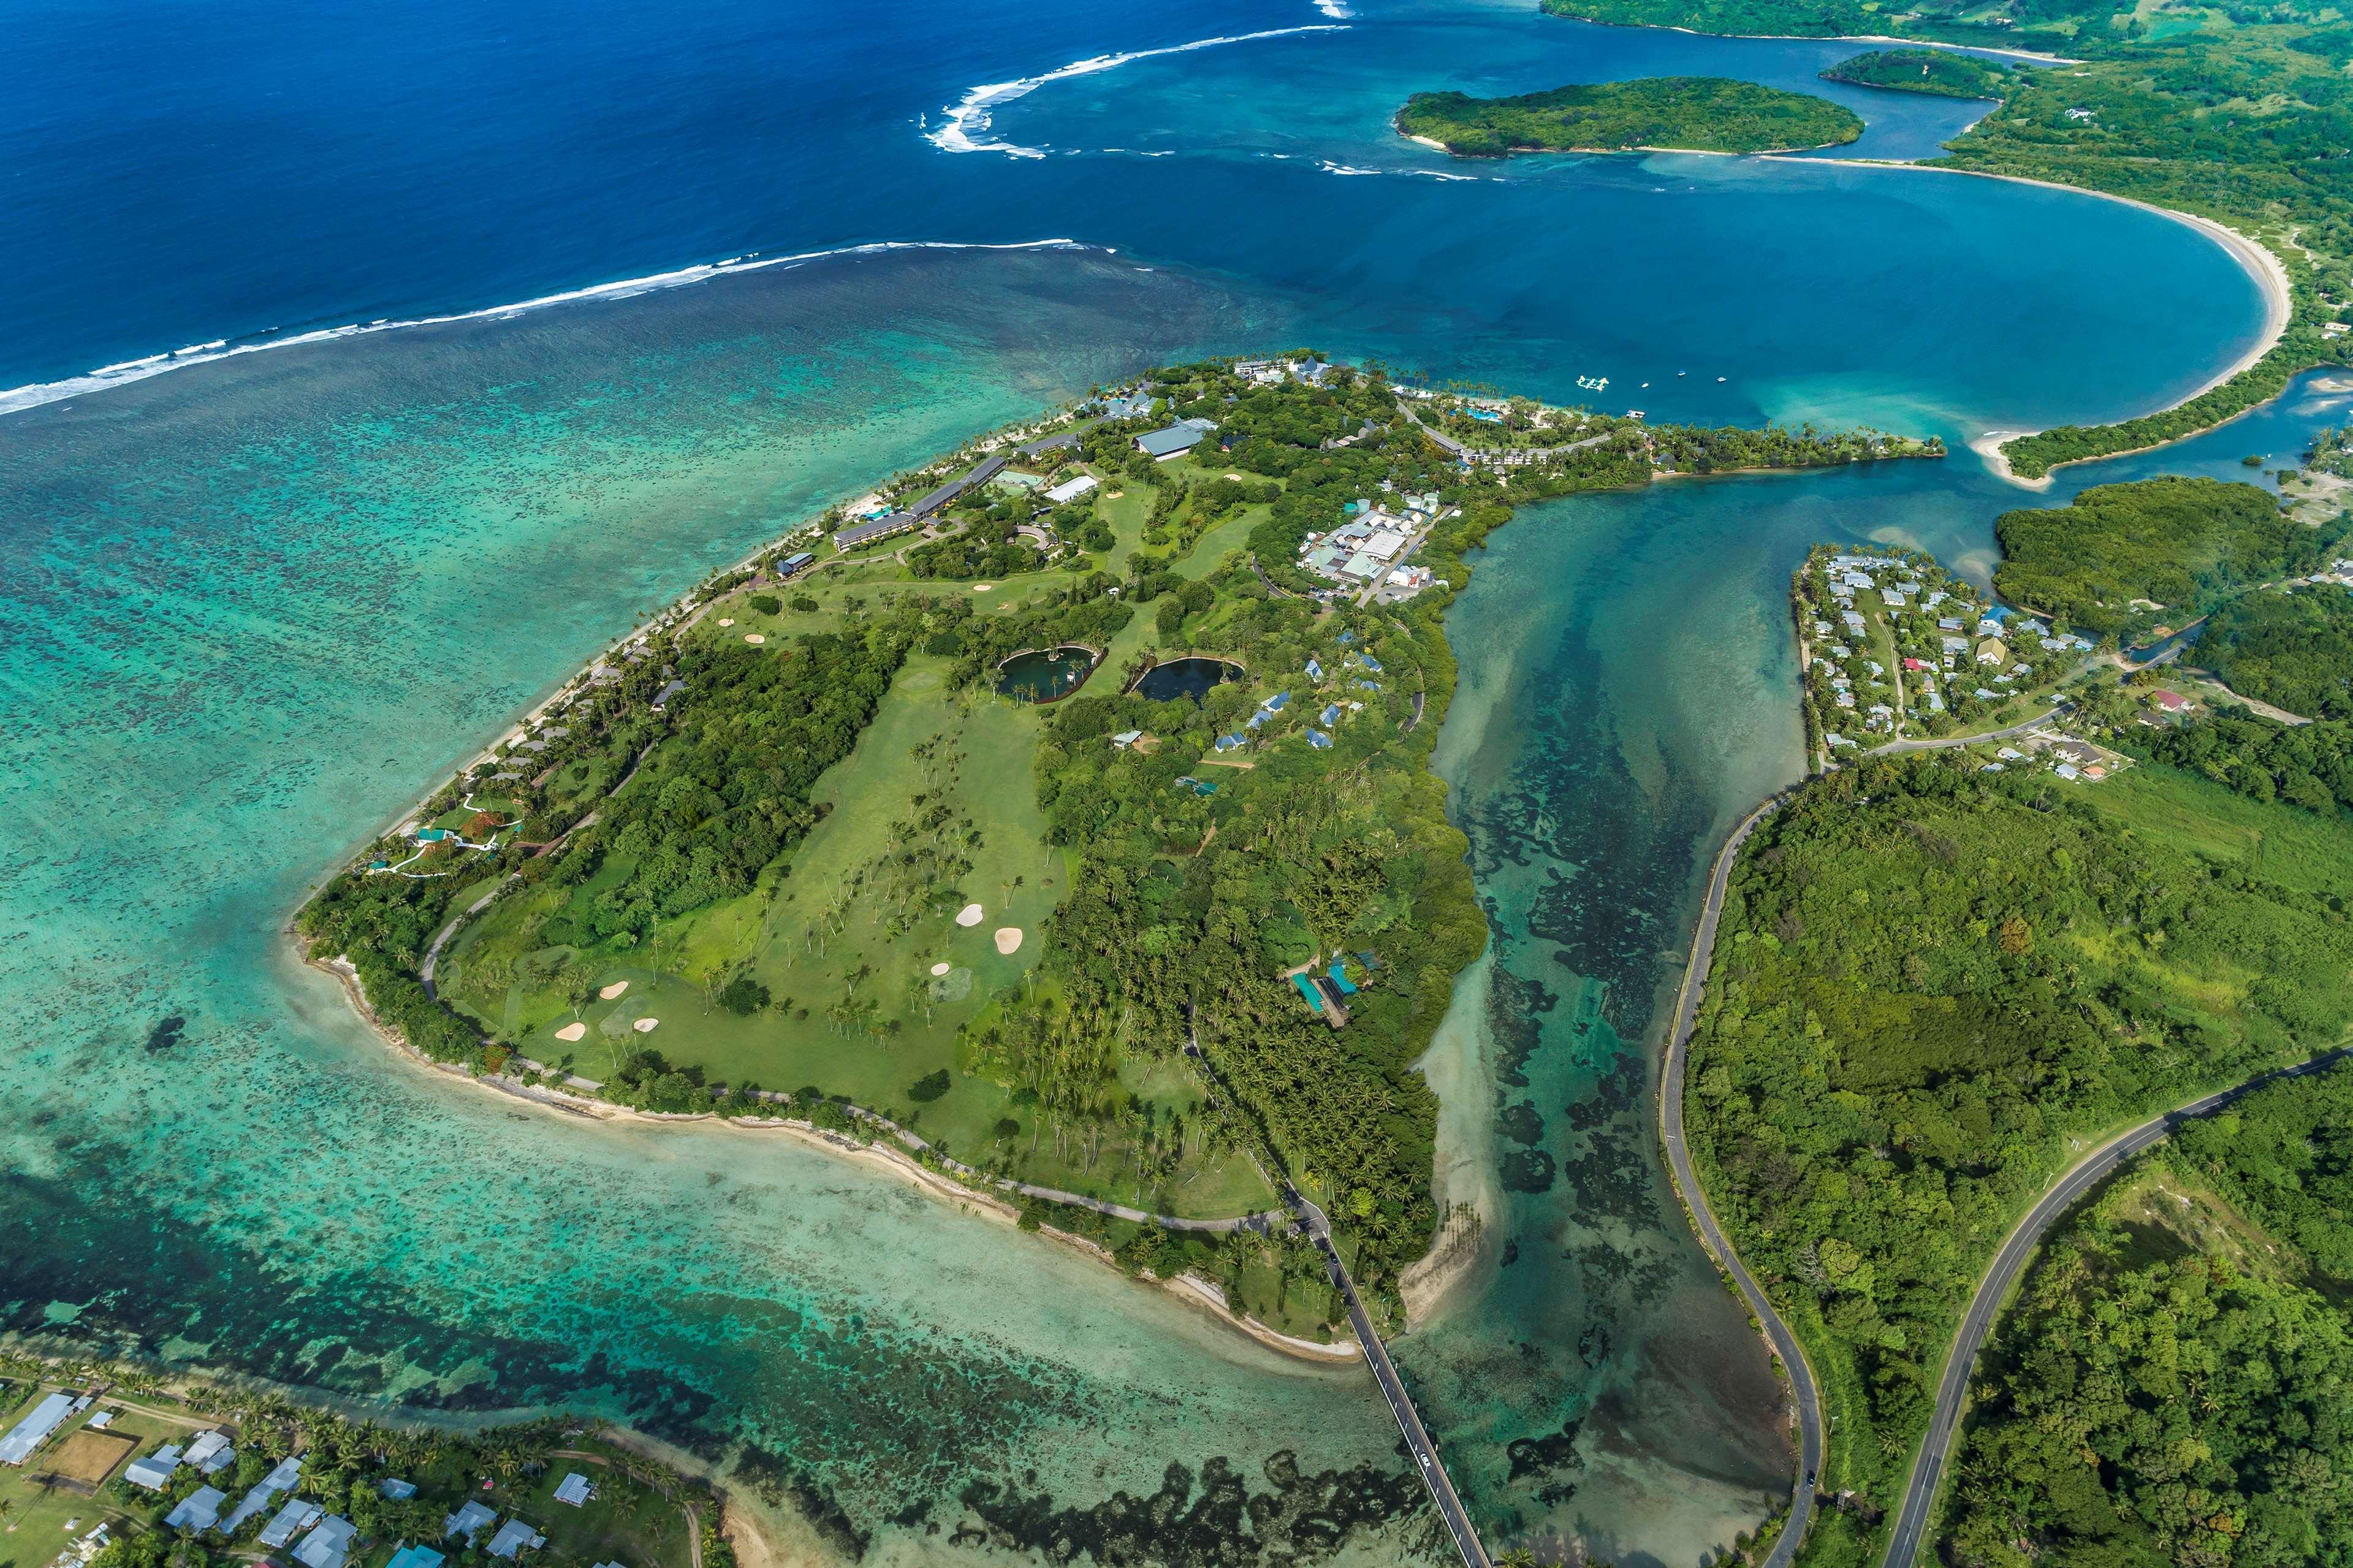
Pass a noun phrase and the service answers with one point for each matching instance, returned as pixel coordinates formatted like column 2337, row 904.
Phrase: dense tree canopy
column 2179, row 547
column 1696, row 113
column 2293, row 650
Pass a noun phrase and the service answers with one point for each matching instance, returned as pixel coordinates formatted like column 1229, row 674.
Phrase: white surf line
column 969, row 118
column 33, row 394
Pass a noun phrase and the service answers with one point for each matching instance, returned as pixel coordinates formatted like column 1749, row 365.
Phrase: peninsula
column 1111, row 886
column 1672, row 113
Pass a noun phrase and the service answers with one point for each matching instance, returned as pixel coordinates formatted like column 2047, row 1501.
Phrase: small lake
column 1042, row 676
column 1185, row 678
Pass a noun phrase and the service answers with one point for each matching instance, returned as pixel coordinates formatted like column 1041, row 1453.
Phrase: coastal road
column 1711, row 1235
column 1385, row 1373
column 1318, row 1227
column 1928, row 1468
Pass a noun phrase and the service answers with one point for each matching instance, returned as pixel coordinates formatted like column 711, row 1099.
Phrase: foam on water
column 970, row 118
column 33, row 395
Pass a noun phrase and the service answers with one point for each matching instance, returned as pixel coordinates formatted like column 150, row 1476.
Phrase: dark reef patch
column 1521, row 1123
column 167, row 1033
column 1216, row 1522
column 1547, row 1455
column 1527, row 1170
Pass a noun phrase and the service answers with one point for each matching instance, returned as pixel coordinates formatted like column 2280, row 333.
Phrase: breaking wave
column 33, row 394
column 967, row 127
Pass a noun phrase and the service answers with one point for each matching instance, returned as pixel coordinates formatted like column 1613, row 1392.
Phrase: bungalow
column 1069, row 490
column 1127, row 738
column 1917, row 665
column 514, row 1536
column 328, row 1545
column 155, row 1470
column 416, row 1557
column 2171, row 702
column 469, row 1521
column 281, row 1479
column 2065, row 770
column 210, row 1453
column 292, row 1519
column 1370, row 662
column 1949, row 623
column 1319, row 740
column 1314, row 668
column 1991, row 651
column 575, row 1489
column 1127, row 406
column 1330, row 715
column 200, row 1510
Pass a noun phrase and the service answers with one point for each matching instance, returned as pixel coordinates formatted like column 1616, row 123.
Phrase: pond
column 1185, row 678
column 1042, row 676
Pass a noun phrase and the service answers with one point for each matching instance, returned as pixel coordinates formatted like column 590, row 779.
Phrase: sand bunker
column 646, row 1025
column 571, row 1032
column 982, row 587
column 754, row 638
column 616, row 988
column 969, row 914
column 726, row 621
column 939, row 968
column 1008, row 939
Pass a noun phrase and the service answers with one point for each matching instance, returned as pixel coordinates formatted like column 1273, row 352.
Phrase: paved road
column 1951, row 740
column 1376, row 1354
column 1711, row 1235
column 2093, row 1169
column 1385, row 1373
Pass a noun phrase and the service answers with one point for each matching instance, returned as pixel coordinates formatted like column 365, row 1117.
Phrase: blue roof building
column 1314, row 668
column 415, row 1557
column 1319, row 740
column 1339, row 973
column 1370, row 662
column 1330, row 715
column 1275, row 704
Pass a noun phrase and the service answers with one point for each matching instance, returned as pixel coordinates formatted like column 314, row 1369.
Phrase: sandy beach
column 2270, row 275
column 879, row 1154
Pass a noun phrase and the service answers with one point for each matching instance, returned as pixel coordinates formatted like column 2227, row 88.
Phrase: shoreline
column 880, row 1154
column 2261, row 264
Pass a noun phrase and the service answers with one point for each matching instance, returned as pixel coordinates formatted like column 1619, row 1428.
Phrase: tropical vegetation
column 1931, row 984
column 1943, row 73
column 2292, row 650
column 2172, row 1386
column 1693, row 113
column 2121, row 559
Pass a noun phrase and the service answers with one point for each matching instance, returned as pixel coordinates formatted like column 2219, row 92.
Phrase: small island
column 1663, row 115
column 1938, row 72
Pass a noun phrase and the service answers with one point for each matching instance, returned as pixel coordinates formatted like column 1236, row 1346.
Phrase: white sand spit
column 616, row 988
column 646, row 1025
column 939, row 968
column 571, row 1032
column 969, row 914
column 1008, row 939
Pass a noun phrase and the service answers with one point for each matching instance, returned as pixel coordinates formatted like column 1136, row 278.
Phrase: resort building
column 328, row 1546
column 514, row 1536
column 200, row 1510
column 1069, row 490
column 1173, row 442
column 154, row 1472
column 861, row 535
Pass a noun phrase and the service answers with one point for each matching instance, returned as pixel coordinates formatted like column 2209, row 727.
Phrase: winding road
column 1711, row 1235
column 1952, row 1393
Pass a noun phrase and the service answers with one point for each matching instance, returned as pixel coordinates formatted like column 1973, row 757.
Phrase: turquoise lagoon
column 256, row 606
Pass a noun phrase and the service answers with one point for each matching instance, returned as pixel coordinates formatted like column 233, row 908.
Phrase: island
column 1668, row 114
column 1052, row 821
column 1943, row 73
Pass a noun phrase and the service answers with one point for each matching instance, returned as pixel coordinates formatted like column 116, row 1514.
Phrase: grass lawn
column 45, row 1513
column 2280, row 843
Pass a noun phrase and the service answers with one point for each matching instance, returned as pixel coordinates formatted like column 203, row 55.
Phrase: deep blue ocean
column 254, row 605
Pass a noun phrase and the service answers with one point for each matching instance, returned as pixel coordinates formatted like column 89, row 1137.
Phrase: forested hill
column 2172, row 1386
column 1932, row 984
column 1693, row 113
column 1940, row 72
